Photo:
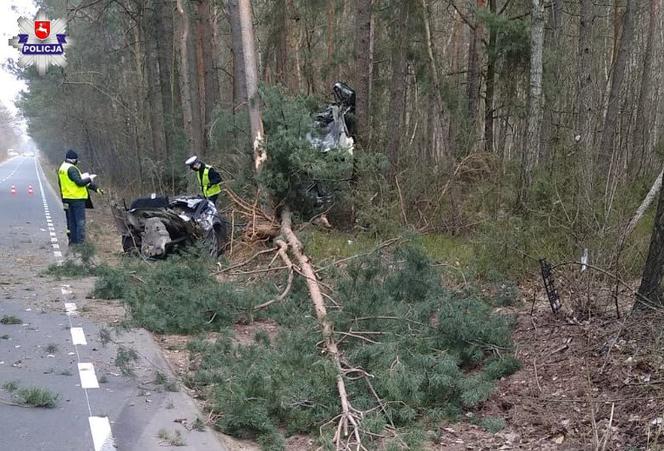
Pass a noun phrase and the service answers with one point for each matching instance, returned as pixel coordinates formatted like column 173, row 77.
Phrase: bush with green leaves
column 426, row 351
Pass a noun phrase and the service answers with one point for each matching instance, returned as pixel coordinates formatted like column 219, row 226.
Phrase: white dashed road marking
column 88, row 377
column 101, row 434
column 70, row 308
column 49, row 222
column 78, row 336
column 100, row 427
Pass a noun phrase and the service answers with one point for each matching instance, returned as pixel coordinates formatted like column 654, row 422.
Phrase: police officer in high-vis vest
column 208, row 178
column 75, row 197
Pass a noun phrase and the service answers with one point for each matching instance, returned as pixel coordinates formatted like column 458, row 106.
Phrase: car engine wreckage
column 154, row 226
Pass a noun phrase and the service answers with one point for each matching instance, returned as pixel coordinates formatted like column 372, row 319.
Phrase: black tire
column 223, row 234
column 216, row 239
column 212, row 243
column 130, row 244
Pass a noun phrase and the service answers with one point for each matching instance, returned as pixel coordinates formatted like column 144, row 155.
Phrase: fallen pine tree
column 378, row 355
column 383, row 351
column 368, row 352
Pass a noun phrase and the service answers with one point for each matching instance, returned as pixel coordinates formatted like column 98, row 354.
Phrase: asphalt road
column 54, row 347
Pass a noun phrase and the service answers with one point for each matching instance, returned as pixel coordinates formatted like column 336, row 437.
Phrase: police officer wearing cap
column 75, row 197
column 208, row 178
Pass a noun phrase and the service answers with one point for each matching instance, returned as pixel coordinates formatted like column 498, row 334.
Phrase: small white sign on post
column 584, row 260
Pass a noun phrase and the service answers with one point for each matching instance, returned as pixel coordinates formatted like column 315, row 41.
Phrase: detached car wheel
column 130, row 244
column 216, row 239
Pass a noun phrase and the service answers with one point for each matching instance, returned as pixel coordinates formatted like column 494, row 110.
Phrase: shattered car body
column 332, row 128
column 155, row 226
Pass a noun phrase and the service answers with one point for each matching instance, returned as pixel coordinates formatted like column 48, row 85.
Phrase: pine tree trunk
column 363, row 66
column 141, row 112
column 251, row 82
column 397, row 88
column 433, row 67
column 531, row 144
column 208, row 82
column 298, row 36
column 653, row 270
column 654, row 190
column 348, row 420
column 490, row 85
column 642, row 122
column 584, row 105
column 155, row 103
column 617, row 79
column 282, row 68
column 190, row 126
column 239, row 76
column 331, row 21
column 201, row 89
column 557, row 18
column 473, row 74
column 163, row 17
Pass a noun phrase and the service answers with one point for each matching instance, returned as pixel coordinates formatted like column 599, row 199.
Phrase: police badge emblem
column 41, row 42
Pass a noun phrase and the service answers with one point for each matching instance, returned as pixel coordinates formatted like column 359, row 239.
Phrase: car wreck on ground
column 155, row 226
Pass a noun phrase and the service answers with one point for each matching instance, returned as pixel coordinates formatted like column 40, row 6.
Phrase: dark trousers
column 75, row 213
column 213, row 199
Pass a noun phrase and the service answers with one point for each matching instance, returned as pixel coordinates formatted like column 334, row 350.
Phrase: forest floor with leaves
column 591, row 383
column 588, row 380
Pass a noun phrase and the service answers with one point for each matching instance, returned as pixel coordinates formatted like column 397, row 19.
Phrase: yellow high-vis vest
column 205, row 181
column 69, row 189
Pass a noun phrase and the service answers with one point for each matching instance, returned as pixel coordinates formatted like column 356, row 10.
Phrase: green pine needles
column 412, row 351
column 178, row 295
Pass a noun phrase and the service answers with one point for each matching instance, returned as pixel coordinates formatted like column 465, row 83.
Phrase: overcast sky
column 10, row 11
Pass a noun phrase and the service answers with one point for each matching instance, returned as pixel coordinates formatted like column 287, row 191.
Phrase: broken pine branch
column 238, row 265
column 283, row 247
column 382, row 245
column 348, row 426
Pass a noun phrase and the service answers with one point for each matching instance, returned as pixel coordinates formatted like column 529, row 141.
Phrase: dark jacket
column 75, row 176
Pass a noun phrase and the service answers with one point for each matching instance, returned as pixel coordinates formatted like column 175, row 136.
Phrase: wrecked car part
column 549, row 285
column 330, row 130
column 154, row 226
